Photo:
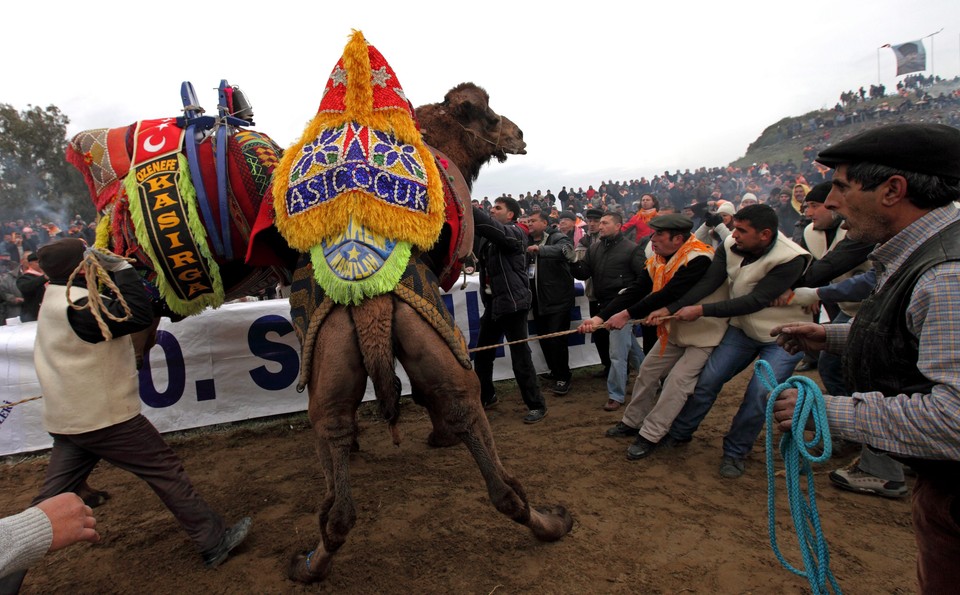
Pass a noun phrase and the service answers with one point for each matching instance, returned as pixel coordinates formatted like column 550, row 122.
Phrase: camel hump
column 373, row 320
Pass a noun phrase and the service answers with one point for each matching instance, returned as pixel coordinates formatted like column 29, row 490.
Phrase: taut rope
column 547, row 336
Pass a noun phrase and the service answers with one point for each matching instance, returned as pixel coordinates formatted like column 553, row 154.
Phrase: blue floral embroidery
column 388, row 151
column 322, row 150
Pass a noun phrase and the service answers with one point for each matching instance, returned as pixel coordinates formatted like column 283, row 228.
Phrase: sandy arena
column 666, row 524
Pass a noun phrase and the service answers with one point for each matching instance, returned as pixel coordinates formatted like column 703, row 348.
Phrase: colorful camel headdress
column 360, row 188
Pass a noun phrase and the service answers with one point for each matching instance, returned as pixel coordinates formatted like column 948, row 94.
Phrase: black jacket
column 502, row 265
column 32, row 288
column 613, row 264
column 552, row 282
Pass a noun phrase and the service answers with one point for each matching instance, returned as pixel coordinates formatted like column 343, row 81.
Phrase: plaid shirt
column 918, row 425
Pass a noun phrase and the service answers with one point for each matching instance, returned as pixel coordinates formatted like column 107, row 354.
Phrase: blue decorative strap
column 797, row 458
column 192, row 115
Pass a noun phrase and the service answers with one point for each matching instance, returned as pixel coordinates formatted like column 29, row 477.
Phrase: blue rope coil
column 798, row 459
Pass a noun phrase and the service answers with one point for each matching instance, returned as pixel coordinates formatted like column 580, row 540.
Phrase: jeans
column 492, row 331
column 734, row 353
column 624, row 348
column 831, row 367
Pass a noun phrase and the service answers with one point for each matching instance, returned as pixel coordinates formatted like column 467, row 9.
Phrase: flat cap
column 932, row 149
column 818, row 193
column 671, row 222
column 568, row 215
column 593, row 213
column 60, row 258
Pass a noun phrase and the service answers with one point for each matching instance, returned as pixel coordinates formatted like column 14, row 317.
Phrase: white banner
column 238, row 362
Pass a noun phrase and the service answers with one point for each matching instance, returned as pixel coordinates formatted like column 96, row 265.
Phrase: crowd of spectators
column 21, row 280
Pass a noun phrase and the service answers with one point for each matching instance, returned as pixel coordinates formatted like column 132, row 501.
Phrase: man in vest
column 681, row 349
column 758, row 264
column 896, row 186
column 91, row 400
column 838, row 258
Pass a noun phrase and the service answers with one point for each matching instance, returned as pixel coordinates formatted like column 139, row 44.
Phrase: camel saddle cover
column 309, row 306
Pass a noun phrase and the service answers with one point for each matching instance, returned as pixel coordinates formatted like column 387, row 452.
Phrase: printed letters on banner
column 164, row 209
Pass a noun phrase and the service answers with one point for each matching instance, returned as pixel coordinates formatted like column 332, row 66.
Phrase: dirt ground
column 667, row 524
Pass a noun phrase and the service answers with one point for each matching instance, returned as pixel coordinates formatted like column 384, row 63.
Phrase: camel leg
column 453, row 396
column 336, row 390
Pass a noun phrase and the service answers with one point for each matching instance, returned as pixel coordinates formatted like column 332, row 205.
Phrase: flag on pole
column 911, row 56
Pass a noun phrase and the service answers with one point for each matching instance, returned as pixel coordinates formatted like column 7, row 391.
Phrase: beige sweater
column 742, row 280
column 85, row 386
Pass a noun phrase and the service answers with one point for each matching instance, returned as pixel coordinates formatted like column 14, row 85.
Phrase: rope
column 547, row 336
column 93, row 271
column 20, row 402
column 797, row 457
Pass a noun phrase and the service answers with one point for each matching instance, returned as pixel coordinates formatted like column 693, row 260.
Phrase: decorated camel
column 363, row 198
column 380, row 223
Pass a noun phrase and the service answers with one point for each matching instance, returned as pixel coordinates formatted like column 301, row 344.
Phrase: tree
column 35, row 178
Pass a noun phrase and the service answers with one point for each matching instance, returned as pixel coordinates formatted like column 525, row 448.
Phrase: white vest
column 742, row 280
column 85, row 386
column 817, row 244
column 706, row 331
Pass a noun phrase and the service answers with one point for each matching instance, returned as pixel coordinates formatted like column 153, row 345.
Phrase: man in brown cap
column 91, row 400
column 896, row 186
column 681, row 349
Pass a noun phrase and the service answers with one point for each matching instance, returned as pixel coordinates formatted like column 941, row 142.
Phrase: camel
column 357, row 341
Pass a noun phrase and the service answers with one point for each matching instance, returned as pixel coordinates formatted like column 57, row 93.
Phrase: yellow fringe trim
column 189, row 196
column 325, row 221
column 103, row 231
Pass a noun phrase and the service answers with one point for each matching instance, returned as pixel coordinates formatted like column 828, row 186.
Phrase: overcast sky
column 601, row 89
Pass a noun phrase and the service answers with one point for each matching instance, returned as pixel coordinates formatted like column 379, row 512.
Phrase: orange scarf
column 662, row 271
column 646, row 215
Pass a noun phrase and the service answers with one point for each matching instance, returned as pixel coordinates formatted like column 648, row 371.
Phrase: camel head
column 470, row 106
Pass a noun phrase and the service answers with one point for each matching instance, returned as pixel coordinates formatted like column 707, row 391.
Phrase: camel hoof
column 550, row 523
column 298, row 570
column 435, row 440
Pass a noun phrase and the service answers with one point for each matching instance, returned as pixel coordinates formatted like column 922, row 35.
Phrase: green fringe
column 349, row 293
column 189, row 195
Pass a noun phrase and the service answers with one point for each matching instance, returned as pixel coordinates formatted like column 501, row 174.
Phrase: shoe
column 232, row 537
column 534, row 415
column 669, row 441
column 602, row 374
column 548, row 376
column 641, row 448
column 854, row 479
column 561, row 387
column 731, row 468
column 612, row 405
column 806, row 366
column 621, row 430
column 491, row 403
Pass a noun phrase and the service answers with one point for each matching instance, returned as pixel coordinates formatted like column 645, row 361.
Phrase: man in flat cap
column 679, row 260
column 757, row 263
column 91, row 399
column 837, row 258
column 896, row 186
